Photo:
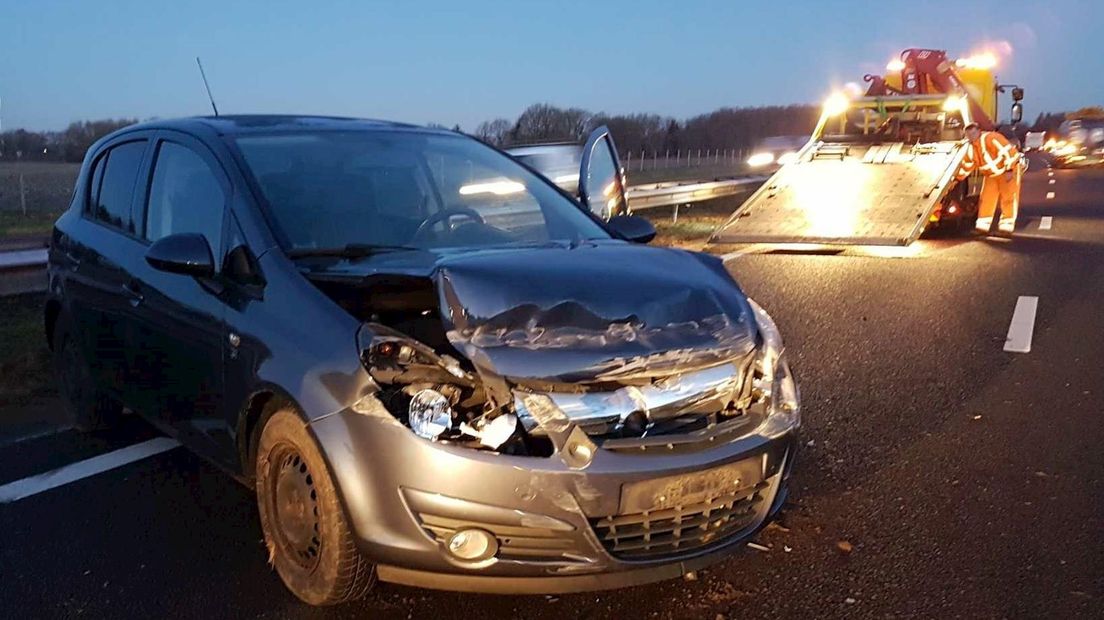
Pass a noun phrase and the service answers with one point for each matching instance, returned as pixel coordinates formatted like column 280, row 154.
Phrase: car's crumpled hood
column 594, row 313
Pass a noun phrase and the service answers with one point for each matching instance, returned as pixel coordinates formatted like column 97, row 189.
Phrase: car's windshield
column 336, row 189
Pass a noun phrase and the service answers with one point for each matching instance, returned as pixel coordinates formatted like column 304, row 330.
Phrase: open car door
column 601, row 179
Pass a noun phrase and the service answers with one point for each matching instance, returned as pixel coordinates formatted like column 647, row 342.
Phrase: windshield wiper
column 351, row 250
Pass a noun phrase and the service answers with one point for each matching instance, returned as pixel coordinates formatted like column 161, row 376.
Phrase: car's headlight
column 773, row 378
column 430, row 414
column 760, row 159
column 432, row 394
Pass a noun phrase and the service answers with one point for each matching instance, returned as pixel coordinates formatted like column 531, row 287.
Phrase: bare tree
column 495, row 132
column 542, row 122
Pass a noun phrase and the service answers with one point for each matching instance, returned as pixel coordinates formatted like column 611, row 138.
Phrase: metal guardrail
column 22, row 271
column 676, row 193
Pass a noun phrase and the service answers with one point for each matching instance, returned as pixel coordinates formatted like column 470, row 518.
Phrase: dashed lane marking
column 1022, row 326
column 1050, row 195
column 14, row 491
column 1051, row 182
column 1045, row 222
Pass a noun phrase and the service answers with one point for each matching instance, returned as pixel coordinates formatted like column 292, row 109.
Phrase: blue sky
column 464, row 62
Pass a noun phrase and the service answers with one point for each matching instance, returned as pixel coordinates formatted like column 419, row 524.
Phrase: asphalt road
column 942, row 476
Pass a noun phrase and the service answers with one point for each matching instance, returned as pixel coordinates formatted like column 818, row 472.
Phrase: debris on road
column 691, row 576
column 758, row 547
column 845, row 547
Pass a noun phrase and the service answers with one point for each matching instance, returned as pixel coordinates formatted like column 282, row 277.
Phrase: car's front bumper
column 556, row 526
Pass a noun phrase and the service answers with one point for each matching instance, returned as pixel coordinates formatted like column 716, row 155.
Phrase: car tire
column 305, row 529
column 88, row 406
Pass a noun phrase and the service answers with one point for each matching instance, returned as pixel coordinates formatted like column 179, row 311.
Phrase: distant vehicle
column 431, row 364
column 1034, row 141
column 1080, row 143
column 776, row 151
column 559, row 162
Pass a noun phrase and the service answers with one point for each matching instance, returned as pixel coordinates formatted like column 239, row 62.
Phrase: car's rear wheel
column 88, row 406
column 308, row 537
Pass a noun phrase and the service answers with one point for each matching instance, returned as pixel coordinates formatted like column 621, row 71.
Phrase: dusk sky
column 468, row 61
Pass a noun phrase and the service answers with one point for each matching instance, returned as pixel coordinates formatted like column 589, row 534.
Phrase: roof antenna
column 207, row 86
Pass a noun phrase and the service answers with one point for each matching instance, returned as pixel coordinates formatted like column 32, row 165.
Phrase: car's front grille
column 515, row 541
column 676, row 531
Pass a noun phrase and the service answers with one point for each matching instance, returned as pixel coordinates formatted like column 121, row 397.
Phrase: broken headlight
column 429, row 414
column 432, row 393
column 773, row 380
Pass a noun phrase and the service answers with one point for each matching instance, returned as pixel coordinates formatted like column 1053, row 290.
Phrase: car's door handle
column 130, row 290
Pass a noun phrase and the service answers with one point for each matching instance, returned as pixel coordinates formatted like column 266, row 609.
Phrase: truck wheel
column 87, row 405
column 308, row 538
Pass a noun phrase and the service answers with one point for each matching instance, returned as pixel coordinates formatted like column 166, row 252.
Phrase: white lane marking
column 1050, row 195
column 1050, row 174
column 72, row 472
column 1045, row 222
column 1022, row 325
column 1051, row 182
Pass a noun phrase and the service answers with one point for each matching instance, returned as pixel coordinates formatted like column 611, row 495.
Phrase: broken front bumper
column 622, row 519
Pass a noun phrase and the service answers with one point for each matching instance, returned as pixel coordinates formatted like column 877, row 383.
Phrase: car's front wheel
column 308, row 537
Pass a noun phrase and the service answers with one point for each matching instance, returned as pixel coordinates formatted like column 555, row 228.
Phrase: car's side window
column 185, row 196
column 94, row 184
column 239, row 264
column 113, row 183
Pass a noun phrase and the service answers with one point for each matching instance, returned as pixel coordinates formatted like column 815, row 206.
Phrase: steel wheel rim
column 293, row 503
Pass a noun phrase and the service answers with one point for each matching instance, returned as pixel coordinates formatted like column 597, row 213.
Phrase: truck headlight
column 774, row 379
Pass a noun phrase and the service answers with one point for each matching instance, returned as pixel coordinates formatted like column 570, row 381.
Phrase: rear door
column 879, row 194
column 101, row 252
column 601, row 179
column 178, row 335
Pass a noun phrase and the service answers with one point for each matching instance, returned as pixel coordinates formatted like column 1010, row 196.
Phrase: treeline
column 68, row 145
column 736, row 128
column 726, row 128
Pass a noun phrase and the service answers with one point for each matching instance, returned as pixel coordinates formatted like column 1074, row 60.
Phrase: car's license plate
column 688, row 489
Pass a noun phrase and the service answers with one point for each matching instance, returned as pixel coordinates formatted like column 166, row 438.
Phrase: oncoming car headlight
column 773, row 378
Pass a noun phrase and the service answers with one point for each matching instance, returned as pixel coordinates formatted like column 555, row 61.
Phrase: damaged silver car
column 434, row 366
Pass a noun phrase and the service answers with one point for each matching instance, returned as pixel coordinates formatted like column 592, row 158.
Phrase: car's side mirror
column 632, row 228
column 184, row 253
column 1017, row 112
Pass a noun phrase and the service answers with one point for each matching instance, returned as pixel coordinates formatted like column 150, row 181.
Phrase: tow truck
column 880, row 169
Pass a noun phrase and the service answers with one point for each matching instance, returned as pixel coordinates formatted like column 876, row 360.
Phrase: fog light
column 472, row 545
column 430, row 414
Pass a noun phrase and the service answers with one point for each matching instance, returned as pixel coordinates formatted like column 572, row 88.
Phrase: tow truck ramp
column 848, row 194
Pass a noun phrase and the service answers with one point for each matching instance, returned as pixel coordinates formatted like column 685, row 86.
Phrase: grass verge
column 34, row 224
column 24, row 356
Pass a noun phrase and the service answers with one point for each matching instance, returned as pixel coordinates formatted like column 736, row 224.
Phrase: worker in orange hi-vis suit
column 998, row 161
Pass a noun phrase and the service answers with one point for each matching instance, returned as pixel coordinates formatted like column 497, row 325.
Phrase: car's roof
column 238, row 124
